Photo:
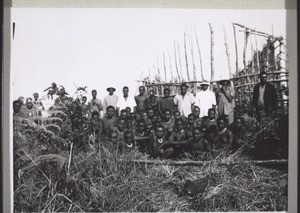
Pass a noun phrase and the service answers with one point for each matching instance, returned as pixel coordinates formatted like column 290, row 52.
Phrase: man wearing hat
column 205, row 99
column 225, row 100
column 110, row 99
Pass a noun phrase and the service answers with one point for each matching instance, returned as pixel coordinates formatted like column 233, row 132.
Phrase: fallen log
column 200, row 163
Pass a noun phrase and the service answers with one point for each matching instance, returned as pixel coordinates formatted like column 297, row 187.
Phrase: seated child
column 128, row 110
column 119, row 128
column 239, row 132
column 222, row 137
column 123, row 113
column 190, row 126
column 168, row 122
column 198, row 145
column 129, row 123
column 128, row 144
column 177, row 139
column 145, row 117
column 142, row 137
column 196, row 113
column 210, row 122
column 158, row 144
column 95, row 136
column 109, row 120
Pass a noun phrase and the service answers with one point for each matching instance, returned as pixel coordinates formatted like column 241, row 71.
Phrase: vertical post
column 190, row 38
column 227, row 53
column 246, row 34
column 212, row 53
column 236, row 51
column 165, row 68
column 176, row 66
column 179, row 60
column 198, row 46
column 171, row 67
column 186, row 59
column 257, row 55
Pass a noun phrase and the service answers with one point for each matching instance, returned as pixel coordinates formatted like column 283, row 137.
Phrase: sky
column 99, row 48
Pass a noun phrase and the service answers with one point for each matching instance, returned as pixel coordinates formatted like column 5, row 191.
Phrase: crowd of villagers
column 184, row 125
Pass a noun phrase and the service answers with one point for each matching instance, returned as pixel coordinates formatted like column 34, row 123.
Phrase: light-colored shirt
column 110, row 100
column 205, row 100
column 95, row 105
column 184, row 103
column 224, row 106
column 128, row 102
column 261, row 95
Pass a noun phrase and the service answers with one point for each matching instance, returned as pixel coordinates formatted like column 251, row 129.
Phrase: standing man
column 95, row 104
column 126, row 100
column 264, row 95
column 140, row 100
column 184, row 101
column 166, row 102
column 205, row 99
column 225, row 99
column 110, row 99
column 38, row 103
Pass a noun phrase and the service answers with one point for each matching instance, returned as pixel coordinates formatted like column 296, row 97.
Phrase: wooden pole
column 171, row 69
column 246, row 35
column 186, row 59
column 198, row 47
column 165, row 67
column 176, row 66
column 227, row 53
column 212, row 53
column 190, row 38
column 200, row 163
column 158, row 71
column 236, row 51
column 256, row 49
column 257, row 32
column 179, row 60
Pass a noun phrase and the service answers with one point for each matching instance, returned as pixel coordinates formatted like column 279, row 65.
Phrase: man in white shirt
column 205, row 99
column 110, row 99
column 126, row 100
column 184, row 101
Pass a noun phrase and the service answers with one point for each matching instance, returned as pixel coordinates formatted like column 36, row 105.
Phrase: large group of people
column 166, row 127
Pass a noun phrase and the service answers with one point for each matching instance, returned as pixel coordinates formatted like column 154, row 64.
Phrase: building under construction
column 271, row 58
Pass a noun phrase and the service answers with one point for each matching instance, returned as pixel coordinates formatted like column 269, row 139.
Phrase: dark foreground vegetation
column 48, row 179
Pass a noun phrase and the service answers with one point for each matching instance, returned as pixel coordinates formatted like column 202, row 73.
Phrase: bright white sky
column 113, row 47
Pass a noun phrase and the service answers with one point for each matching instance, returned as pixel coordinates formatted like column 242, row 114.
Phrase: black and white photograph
column 149, row 110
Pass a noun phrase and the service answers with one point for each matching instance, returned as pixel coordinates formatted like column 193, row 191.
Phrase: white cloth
column 204, row 100
column 261, row 95
column 129, row 102
column 184, row 103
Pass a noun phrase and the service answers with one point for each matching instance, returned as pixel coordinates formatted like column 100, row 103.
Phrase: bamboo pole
column 179, row 60
column 212, row 53
column 250, row 30
column 186, row 59
column 176, row 66
column 246, row 35
column 190, row 39
column 256, row 49
column 252, row 55
column 171, row 69
column 158, row 71
column 165, row 67
column 236, row 51
column 200, row 163
column 199, row 51
column 227, row 53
